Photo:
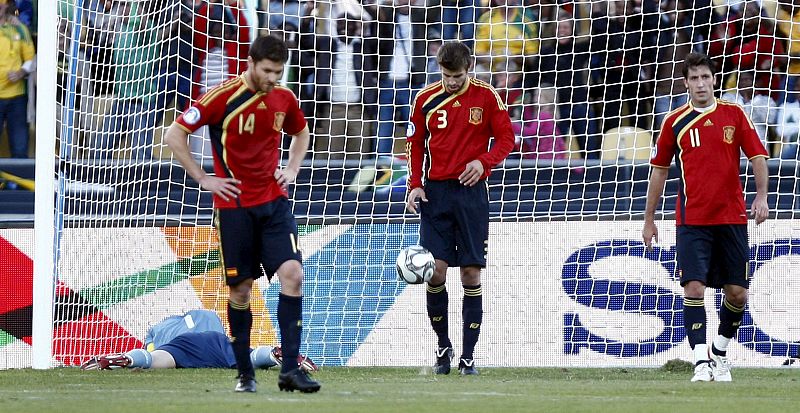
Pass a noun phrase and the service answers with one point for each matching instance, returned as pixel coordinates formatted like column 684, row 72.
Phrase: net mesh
column 587, row 84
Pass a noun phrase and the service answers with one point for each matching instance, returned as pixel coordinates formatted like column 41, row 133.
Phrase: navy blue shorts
column 255, row 237
column 714, row 254
column 207, row 349
column 454, row 223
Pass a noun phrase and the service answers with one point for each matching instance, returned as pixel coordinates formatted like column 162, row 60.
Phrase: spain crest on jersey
column 727, row 134
column 278, row 123
column 475, row 116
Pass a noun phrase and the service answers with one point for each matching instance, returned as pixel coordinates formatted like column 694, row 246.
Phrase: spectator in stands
column 674, row 41
column 537, row 134
column 508, row 30
column 750, row 44
column 221, row 44
column 458, row 19
column 16, row 47
column 507, row 82
column 432, row 73
column 135, row 110
column 788, row 129
column 345, row 69
column 566, row 66
column 624, row 42
column 282, row 15
column 25, row 14
column 760, row 107
column 186, row 55
column 788, row 23
column 68, row 102
column 401, row 31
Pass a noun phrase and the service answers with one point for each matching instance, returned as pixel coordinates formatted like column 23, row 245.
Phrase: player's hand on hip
column 285, row 177
column 472, row 173
column 411, row 200
column 225, row 188
column 759, row 209
column 649, row 233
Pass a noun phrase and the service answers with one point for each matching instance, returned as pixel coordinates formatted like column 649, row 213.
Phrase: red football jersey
column 707, row 146
column 245, row 131
column 448, row 131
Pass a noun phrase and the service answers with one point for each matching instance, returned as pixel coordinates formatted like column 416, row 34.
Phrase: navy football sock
column 290, row 321
column 436, row 298
column 472, row 313
column 240, row 319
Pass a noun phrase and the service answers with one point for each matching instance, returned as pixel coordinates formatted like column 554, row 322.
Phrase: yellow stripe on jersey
column 432, row 97
column 256, row 97
column 242, row 89
column 481, row 83
column 224, row 87
column 445, row 101
column 685, row 109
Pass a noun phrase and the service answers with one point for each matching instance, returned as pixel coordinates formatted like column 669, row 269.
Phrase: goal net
column 568, row 281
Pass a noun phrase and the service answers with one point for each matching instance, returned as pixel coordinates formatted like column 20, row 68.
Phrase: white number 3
column 442, row 118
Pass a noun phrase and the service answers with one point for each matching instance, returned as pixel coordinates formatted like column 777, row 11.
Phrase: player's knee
column 291, row 275
column 694, row 289
column 470, row 275
column 240, row 293
column 439, row 273
column 736, row 296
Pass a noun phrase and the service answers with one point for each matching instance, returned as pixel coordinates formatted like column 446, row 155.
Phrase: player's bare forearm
column 177, row 140
column 298, row 149
column 658, row 178
column 760, row 208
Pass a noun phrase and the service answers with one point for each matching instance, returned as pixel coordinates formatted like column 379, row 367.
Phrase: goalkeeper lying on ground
column 193, row 340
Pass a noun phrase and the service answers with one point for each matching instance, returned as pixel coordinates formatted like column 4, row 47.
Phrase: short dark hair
column 698, row 60
column 454, row 56
column 269, row 47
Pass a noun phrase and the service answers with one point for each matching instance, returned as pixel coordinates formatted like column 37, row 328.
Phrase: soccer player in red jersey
column 449, row 159
column 706, row 136
column 254, row 220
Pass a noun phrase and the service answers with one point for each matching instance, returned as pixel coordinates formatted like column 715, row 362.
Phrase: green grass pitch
column 372, row 390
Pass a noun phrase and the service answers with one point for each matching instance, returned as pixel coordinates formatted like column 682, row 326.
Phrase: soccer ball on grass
column 415, row 265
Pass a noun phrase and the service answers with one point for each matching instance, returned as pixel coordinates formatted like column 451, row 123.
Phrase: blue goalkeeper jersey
column 194, row 321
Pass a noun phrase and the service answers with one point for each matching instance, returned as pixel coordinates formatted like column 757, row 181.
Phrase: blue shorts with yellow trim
column 713, row 254
column 454, row 223
column 255, row 237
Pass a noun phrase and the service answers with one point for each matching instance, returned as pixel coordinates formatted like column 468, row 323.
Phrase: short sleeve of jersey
column 751, row 143
column 665, row 146
column 295, row 120
column 203, row 112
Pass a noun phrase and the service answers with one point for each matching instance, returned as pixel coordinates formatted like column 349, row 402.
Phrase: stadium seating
column 626, row 142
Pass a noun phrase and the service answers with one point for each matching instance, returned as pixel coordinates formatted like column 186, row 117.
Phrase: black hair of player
column 694, row 60
column 269, row 47
column 454, row 56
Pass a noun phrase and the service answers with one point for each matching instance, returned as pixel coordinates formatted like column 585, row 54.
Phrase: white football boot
column 702, row 372
column 720, row 368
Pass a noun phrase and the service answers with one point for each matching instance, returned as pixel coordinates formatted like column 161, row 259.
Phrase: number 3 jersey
column 449, row 130
column 707, row 146
column 245, row 132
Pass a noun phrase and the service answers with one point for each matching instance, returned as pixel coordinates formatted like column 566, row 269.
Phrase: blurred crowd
column 573, row 73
